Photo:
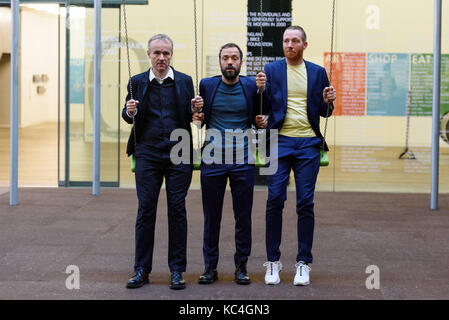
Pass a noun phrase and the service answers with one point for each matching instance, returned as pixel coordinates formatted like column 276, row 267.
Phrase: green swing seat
column 260, row 162
column 324, row 159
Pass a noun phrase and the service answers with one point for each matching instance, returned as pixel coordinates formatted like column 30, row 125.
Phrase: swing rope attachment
column 133, row 159
column 197, row 124
column 324, row 159
column 260, row 159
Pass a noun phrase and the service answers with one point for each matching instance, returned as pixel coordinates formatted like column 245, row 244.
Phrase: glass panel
column 5, row 85
column 38, row 95
column 81, row 33
column 382, row 73
column 62, row 97
column 383, row 76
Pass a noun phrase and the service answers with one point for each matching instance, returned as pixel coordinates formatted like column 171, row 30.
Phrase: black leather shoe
column 241, row 275
column 177, row 281
column 209, row 276
column 139, row 279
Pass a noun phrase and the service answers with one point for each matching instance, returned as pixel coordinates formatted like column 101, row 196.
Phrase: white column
column 436, row 107
column 14, row 105
column 97, row 100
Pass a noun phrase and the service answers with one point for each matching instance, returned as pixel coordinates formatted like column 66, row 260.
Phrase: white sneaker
column 302, row 276
column 272, row 273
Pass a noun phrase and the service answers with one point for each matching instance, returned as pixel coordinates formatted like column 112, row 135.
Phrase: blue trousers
column 151, row 169
column 303, row 156
column 214, row 178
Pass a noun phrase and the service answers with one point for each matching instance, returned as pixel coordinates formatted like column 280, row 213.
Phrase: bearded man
column 229, row 102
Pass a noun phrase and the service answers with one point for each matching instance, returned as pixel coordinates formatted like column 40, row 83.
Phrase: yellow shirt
column 296, row 123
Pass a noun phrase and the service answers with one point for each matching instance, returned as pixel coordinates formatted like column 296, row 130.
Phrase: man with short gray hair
column 162, row 37
column 162, row 102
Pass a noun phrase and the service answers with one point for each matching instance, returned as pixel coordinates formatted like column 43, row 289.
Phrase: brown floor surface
column 53, row 228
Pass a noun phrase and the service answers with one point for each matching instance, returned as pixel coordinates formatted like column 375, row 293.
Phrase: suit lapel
column 248, row 96
column 284, row 83
column 309, row 83
column 210, row 93
column 146, row 82
column 179, row 101
column 141, row 94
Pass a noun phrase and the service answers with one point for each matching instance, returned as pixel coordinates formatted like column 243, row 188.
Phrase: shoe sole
column 178, row 287
column 138, row 285
column 276, row 282
column 301, row 283
column 207, row 281
column 273, row 283
column 245, row 282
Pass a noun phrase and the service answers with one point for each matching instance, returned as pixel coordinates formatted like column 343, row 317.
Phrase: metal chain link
column 196, row 47
column 261, row 49
column 330, row 68
column 129, row 70
column 332, row 40
column 195, row 23
column 127, row 48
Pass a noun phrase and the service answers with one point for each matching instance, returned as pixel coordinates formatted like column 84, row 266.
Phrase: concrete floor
column 53, row 228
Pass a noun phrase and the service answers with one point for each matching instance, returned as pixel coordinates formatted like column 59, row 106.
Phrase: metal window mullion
column 14, row 104
column 97, row 100
column 436, row 107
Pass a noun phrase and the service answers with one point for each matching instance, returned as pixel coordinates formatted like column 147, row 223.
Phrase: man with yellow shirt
column 298, row 93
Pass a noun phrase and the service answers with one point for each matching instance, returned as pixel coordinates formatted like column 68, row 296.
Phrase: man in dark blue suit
column 229, row 101
column 298, row 93
column 162, row 102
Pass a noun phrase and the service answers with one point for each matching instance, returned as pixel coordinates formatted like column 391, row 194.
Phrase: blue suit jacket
column 208, row 89
column 140, row 83
column 276, row 91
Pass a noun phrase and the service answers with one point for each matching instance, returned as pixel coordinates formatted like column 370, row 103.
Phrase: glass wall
column 41, row 61
column 383, row 74
column 80, row 98
column 382, row 69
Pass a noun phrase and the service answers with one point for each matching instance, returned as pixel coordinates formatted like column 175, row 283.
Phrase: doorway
column 39, row 100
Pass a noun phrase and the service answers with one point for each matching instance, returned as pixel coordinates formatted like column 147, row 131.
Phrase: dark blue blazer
column 276, row 91
column 140, row 83
column 208, row 89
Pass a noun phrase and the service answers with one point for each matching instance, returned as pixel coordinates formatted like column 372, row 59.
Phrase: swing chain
column 129, row 70
column 261, row 50
column 330, row 68
column 197, row 124
column 332, row 40
column 127, row 48
column 196, row 46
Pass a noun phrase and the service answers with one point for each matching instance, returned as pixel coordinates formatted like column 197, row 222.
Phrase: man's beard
column 231, row 74
column 292, row 54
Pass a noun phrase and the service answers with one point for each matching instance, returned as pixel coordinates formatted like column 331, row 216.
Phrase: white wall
column 5, row 80
column 39, row 55
column 5, row 30
column 5, row 65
